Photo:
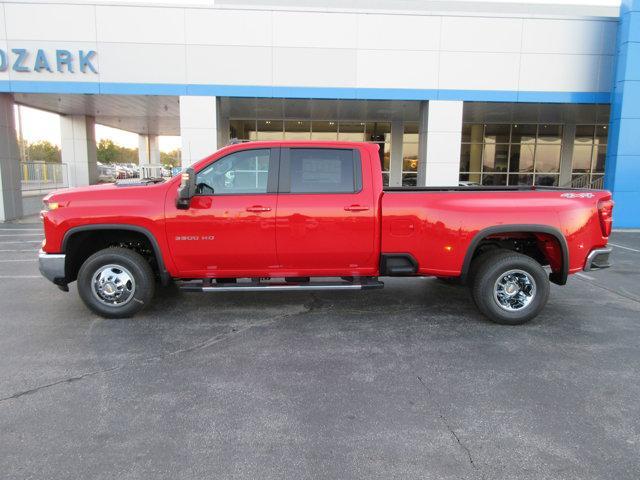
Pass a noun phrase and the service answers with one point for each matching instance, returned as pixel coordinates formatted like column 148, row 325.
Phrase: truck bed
column 438, row 228
column 479, row 188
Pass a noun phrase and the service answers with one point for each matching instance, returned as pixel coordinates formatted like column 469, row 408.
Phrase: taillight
column 605, row 211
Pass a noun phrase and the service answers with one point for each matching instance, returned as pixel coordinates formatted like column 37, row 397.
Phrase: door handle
column 258, row 208
column 356, row 208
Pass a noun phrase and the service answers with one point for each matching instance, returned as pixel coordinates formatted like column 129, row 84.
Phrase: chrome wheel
column 113, row 285
column 514, row 290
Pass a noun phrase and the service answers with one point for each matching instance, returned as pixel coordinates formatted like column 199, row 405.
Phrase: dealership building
column 475, row 92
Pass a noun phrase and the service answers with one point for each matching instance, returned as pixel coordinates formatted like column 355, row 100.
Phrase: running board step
column 208, row 286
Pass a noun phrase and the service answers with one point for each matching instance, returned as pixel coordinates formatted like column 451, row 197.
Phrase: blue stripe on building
column 622, row 170
column 259, row 91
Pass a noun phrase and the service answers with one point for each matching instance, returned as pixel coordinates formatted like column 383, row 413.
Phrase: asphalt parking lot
column 405, row 382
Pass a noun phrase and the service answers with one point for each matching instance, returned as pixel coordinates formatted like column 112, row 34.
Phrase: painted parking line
column 624, row 248
column 20, row 230
column 20, row 260
column 16, row 277
column 32, row 250
column 22, row 241
column 21, row 234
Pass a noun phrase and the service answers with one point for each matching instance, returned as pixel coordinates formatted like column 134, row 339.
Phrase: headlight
column 49, row 206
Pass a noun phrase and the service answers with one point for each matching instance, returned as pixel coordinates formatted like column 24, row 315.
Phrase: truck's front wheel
column 509, row 288
column 116, row 282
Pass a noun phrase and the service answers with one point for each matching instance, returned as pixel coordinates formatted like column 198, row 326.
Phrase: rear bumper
column 52, row 267
column 598, row 258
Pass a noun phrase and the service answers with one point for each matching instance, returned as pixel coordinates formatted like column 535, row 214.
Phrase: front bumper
column 597, row 259
column 52, row 267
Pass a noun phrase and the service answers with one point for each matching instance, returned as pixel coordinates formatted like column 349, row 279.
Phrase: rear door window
column 322, row 170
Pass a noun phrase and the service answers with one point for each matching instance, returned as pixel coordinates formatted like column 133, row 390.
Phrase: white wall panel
column 445, row 117
column 50, row 22
column 562, row 36
column 397, row 69
column 78, row 149
column 2, row 23
column 142, row 63
column 198, row 112
column 442, row 174
column 440, row 135
column 229, row 65
column 10, row 188
column 143, row 149
column 140, row 24
column 179, row 45
column 50, row 52
column 572, row 73
column 399, row 32
column 477, row 34
column 314, row 67
column 5, row 75
column 444, row 147
column 307, row 29
column 197, row 144
column 198, row 128
column 228, row 27
column 154, row 150
column 482, row 71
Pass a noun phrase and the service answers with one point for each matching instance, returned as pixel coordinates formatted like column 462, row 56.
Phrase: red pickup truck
column 314, row 215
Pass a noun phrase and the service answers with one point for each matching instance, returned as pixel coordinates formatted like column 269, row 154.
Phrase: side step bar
column 209, row 286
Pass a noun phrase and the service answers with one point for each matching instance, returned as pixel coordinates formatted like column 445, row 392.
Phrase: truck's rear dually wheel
column 508, row 287
column 116, row 282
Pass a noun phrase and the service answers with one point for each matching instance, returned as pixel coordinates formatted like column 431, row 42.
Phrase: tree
column 107, row 151
column 41, row 151
column 110, row 152
column 171, row 158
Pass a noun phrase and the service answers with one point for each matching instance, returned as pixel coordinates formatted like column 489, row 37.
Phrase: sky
column 39, row 125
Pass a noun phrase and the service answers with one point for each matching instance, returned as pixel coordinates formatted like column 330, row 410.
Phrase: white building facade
column 495, row 94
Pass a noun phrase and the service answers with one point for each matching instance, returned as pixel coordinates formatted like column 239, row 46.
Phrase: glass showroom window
column 243, row 130
column 410, row 139
column 297, row 130
column 510, row 154
column 272, row 130
column 380, row 134
column 324, row 130
column 589, row 153
column 349, row 131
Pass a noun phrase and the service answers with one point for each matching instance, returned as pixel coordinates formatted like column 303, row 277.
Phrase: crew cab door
column 229, row 228
column 325, row 222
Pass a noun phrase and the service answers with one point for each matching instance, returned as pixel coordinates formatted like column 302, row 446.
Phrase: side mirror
column 187, row 189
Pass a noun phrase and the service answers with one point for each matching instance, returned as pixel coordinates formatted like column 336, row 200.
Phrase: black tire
column 490, row 267
column 134, row 264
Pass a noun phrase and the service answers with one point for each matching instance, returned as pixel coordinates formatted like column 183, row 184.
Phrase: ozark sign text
column 23, row 60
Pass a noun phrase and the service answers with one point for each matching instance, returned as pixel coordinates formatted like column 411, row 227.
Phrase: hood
column 101, row 189
column 64, row 192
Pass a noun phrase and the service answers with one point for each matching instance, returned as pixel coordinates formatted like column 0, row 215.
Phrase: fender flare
column 559, row 278
column 164, row 274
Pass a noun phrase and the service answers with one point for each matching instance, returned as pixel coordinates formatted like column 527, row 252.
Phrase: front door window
column 238, row 173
